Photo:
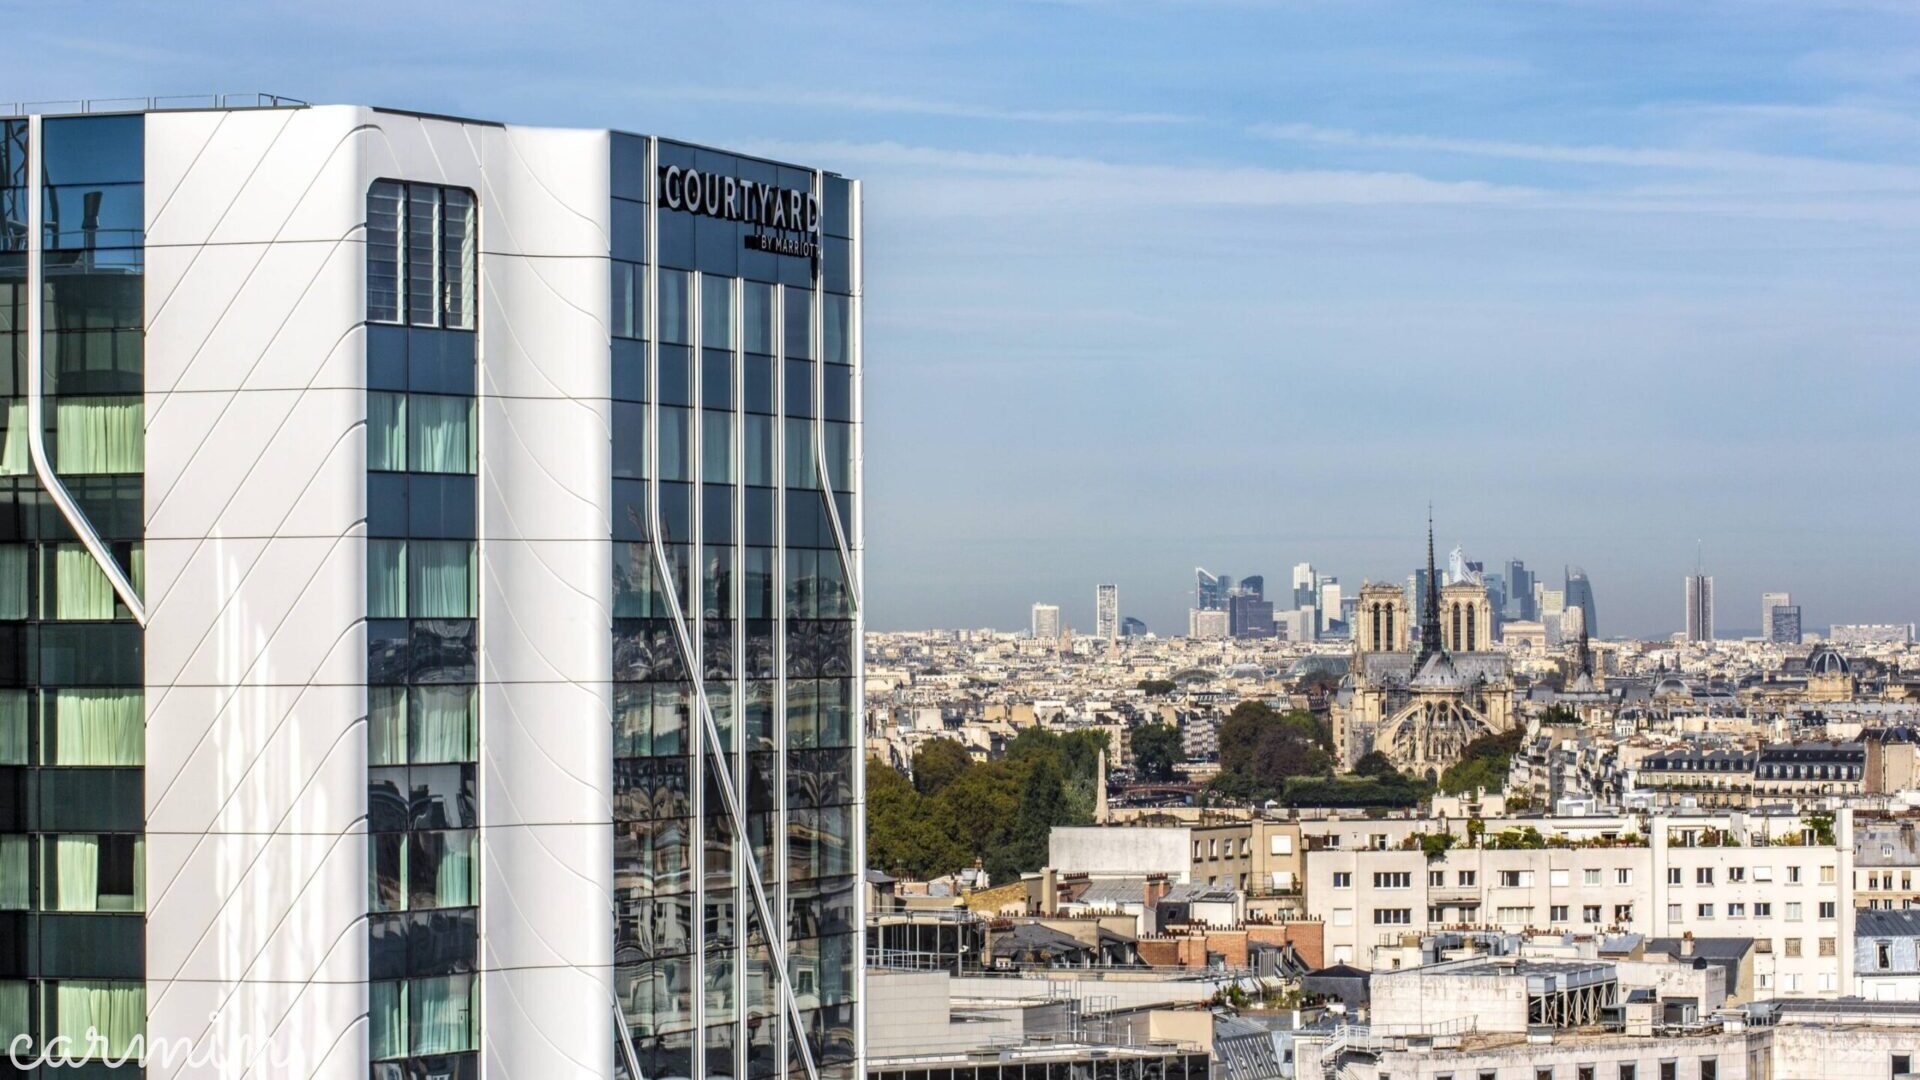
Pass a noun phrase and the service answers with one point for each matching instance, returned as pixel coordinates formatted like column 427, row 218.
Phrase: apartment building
column 1788, row 889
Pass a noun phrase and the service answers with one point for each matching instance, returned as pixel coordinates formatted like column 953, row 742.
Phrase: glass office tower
column 429, row 597
column 735, row 638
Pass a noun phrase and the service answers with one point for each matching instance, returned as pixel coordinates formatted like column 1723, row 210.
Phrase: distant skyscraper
column 1131, row 627
column 1211, row 591
column 1784, row 628
column 1579, row 593
column 1206, row 624
column 1699, row 607
column 1303, row 584
column 1253, row 585
column 1249, row 616
column 1046, row 622
column 1106, row 612
column 1520, row 591
column 1497, row 597
column 1329, row 601
column 1769, row 601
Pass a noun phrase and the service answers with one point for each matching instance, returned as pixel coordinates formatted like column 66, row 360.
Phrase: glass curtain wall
column 422, row 619
column 72, row 714
column 732, row 369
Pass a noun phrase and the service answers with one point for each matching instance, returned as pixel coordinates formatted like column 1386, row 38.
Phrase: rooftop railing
column 177, row 103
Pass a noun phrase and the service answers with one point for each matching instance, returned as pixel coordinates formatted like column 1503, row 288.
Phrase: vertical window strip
column 423, row 245
column 386, row 217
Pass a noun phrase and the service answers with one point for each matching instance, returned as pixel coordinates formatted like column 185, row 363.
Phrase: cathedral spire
column 1430, row 614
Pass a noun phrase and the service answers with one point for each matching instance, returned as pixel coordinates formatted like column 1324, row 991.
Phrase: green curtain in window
column 387, row 1019
column 441, row 725
column 386, row 432
column 76, row 866
column 15, row 873
column 13, row 455
column 453, row 884
column 13, row 727
column 386, row 725
column 386, row 579
column 441, row 1011
column 13, row 581
column 81, row 588
column 117, row 1010
column 15, row 1018
column 99, row 435
column 440, row 579
column 439, row 434
column 99, row 727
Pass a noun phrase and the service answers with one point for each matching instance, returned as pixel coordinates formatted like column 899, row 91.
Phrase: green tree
column 938, row 763
column 1155, row 687
column 1156, row 750
column 1375, row 764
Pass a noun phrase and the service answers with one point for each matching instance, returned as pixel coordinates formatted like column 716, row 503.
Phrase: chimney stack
column 1156, row 888
column 1686, row 944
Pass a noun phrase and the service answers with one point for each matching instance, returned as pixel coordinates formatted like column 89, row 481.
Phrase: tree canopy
column 1156, row 750
column 956, row 811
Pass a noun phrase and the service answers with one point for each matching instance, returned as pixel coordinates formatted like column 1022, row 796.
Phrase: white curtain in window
column 439, row 437
column 15, row 873
column 387, row 725
column 76, row 865
column 81, row 588
column 453, row 882
column 13, row 727
column 99, row 435
column 14, row 460
column 799, row 447
column 117, row 1010
column 442, row 1012
column 386, row 579
column 440, row 579
column 387, row 1019
column 99, row 727
column 440, row 725
column 13, row 581
column 386, row 432
column 15, row 1018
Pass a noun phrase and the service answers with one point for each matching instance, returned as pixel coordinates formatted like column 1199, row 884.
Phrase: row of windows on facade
column 1705, row 1068
column 1622, row 875
column 654, row 719
column 725, row 299
column 650, row 788
column 72, row 1009
column 828, row 1030
column 654, row 858
column 753, row 382
column 436, row 434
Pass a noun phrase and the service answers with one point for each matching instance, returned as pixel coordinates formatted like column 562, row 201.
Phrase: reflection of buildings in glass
column 525, row 571
column 1131, row 627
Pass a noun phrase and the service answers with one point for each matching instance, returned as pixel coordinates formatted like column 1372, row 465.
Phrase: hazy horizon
column 1240, row 284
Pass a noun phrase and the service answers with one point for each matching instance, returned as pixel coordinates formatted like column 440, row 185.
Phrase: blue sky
column 1240, row 284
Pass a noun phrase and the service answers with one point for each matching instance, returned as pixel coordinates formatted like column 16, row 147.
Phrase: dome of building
column 1826, row 660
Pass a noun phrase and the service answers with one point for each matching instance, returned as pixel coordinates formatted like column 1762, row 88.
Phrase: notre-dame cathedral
column 1421, row 701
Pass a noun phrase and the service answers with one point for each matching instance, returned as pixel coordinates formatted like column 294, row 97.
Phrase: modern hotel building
column 429, row 597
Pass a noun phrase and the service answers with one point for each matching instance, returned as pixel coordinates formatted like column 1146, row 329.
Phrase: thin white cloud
column 986, row 180
column 1804, row 172
column 897, row 104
